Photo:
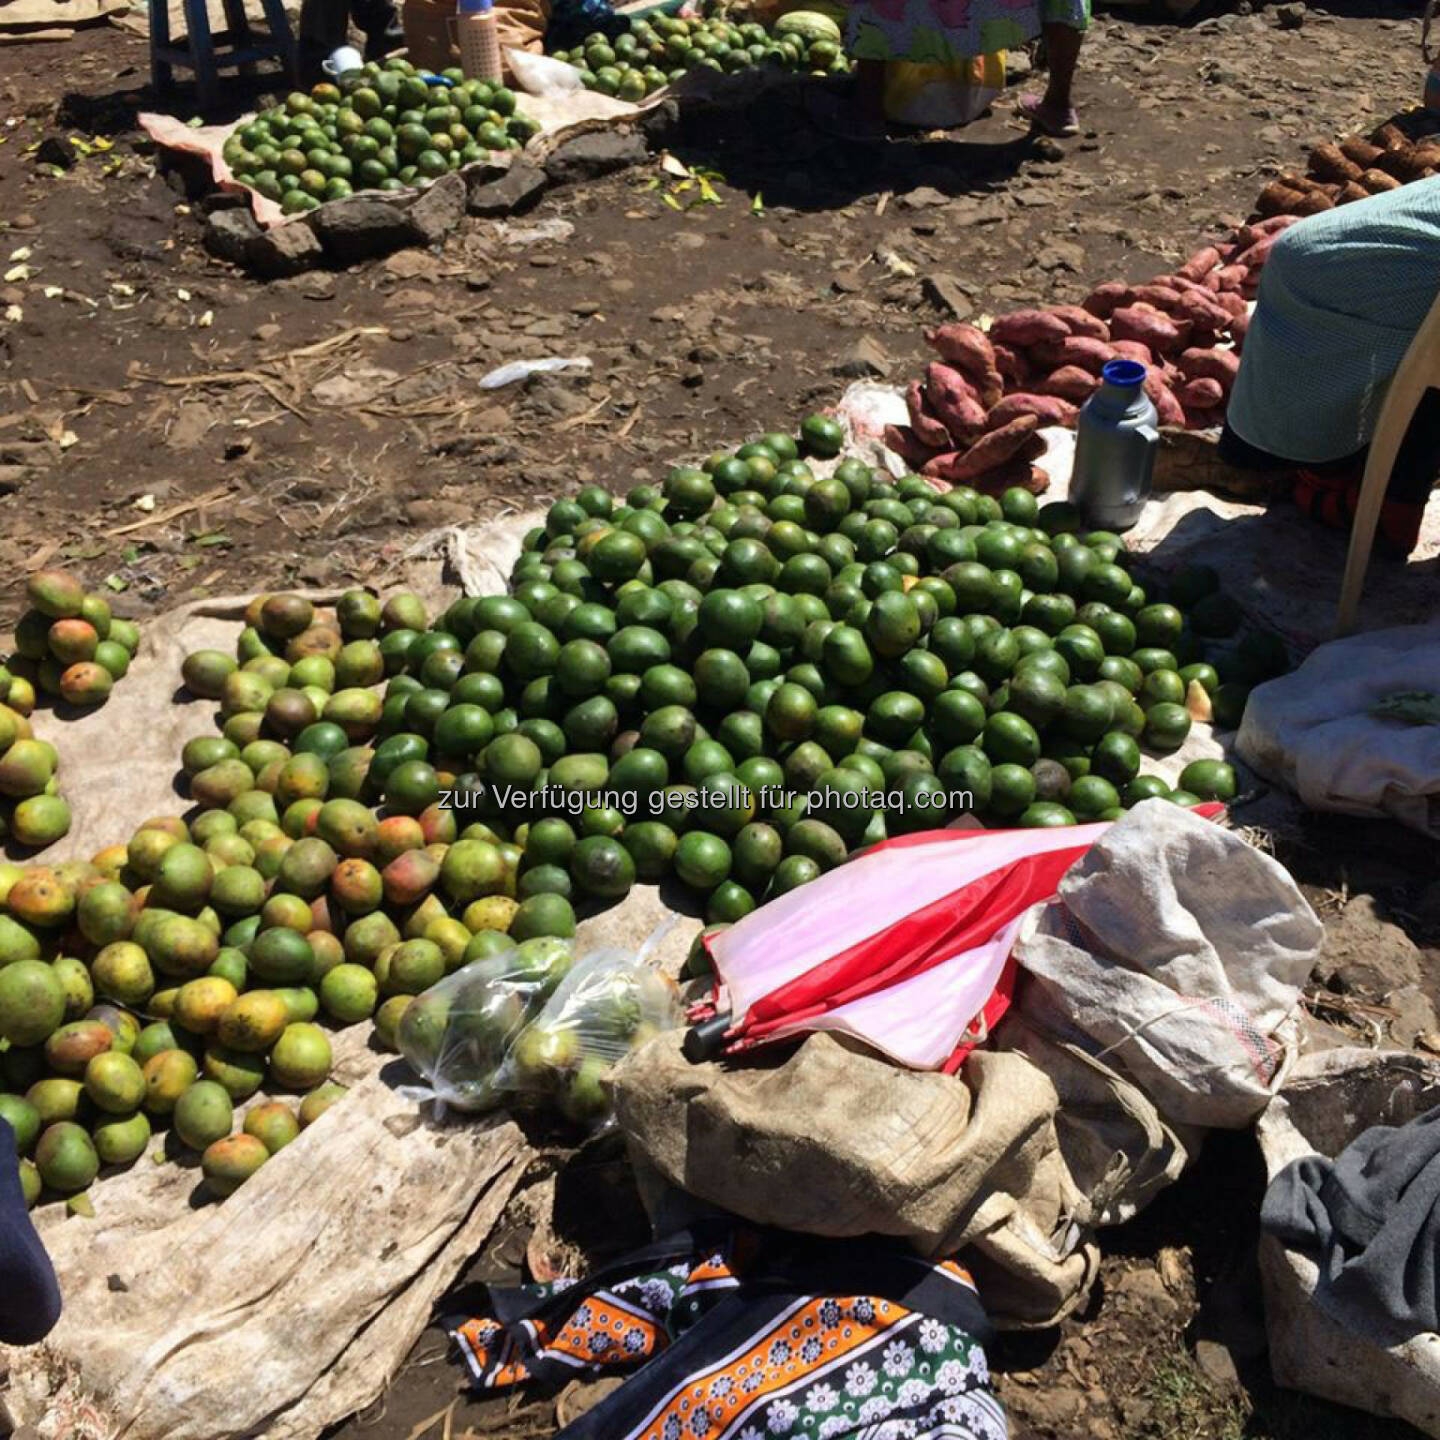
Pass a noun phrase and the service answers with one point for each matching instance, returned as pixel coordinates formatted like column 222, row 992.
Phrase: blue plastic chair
column 206, row 54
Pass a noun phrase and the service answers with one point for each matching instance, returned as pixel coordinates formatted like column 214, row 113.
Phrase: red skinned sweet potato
column 1014, row 472
column 1013, row 365
column 1163, row 297
column 1239, row 327
column 1220, row 365
column 1048, row 409
column 1028, row 327
column 928, row 429
column 1167, row 407
column 1132, row 350
column 909, row 447
column 1149, row 327
column 1201, row 394
column 953, row 401
column 1082, row 322
column 1082, row 350
column 1202, row 311
column 986, row 453
column 964, row 347
column 1201, row 419
column 1070, row 383
column 1232, row 302
column 1231, row 278
column 1200, row 264
column 1248, row 235
column 1104, row 300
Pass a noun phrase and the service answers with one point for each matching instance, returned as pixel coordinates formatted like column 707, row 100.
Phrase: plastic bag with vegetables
column 457, row 1034
column 610, row 1004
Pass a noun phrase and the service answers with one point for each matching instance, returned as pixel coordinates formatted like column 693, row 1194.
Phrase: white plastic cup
column 340, row 61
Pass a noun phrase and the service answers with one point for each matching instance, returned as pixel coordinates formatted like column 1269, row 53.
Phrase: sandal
column 1034, row 109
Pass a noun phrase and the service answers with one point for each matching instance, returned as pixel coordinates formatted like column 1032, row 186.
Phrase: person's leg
column 1054, row 111
column 324, row 27
column 379, row 22
column 29, row 1296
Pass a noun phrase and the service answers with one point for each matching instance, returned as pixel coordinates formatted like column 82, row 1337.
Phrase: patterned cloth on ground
column 743, row 1336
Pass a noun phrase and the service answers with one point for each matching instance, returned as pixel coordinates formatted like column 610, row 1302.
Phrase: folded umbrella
column 905, row 947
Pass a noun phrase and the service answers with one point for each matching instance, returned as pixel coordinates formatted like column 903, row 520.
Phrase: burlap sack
column 832, row 1140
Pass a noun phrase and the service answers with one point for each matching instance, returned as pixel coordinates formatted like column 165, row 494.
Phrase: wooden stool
column 235, row 48
column 1418, row 372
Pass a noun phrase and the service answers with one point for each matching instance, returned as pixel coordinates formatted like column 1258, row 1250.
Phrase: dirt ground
column 171, row 428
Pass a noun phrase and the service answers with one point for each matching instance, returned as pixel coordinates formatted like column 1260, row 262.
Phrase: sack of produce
column 610, row 1004
column 457, row 1034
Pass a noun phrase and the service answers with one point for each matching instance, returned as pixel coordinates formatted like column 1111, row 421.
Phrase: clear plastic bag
column 534, row 1024
column 610, row 1004
column 457, row 1034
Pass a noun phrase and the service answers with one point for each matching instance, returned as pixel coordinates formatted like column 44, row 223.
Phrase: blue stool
column 234, row 48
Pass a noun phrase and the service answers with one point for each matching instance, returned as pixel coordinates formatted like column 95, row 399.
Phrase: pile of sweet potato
column 1355, row 169
column 974, row 417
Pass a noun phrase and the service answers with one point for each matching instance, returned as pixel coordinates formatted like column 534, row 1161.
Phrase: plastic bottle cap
column 475, row 7
column 1123, row 372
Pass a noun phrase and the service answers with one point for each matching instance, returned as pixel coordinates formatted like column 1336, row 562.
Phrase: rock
column 923, row 197
column 518, row 189
column 864, row 360
column 439, row 209
column 285, row 250
column 1017, row 65
column 1060, row 255
column 847, row 282
column 11, row 478
column 361, row 227
column 266, row 333
column 53, row 150
column 1290, row 17
column 1414, row 1015
column 946, row 292
column 1049, row 148
column 589, row 156
column 1217, row 1364
column 1146, row 1287
column 229, row 234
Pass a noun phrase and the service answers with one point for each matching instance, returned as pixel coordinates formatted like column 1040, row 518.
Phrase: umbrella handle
column 706, row 1040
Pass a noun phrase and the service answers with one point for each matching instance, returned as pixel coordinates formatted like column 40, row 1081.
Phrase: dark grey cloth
column 1371, row 1218
column 29, row 1296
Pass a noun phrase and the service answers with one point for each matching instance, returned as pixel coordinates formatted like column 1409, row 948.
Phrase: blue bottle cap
column 1125, row 373
column 475, row 7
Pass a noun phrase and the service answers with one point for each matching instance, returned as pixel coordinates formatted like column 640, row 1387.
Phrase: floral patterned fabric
column 750, row 1342
column 946, row 32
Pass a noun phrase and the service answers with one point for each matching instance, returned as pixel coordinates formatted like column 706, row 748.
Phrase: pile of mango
column 69, row 647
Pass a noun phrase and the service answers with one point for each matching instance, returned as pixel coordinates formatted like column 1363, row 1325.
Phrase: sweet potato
column 1103, row 301
column 928, row 428
column 1349, row 194
column 1327, row 162
column 1360, row 152
column 986, row 453
column 1202, row 419
column 1405, row 165
column 908, row 446
column 1247, row 235
column 1231, row 278
column 1239, row 328
column 1082, row 322
column 1048, row 409
column 1391, row 137
column 1377, row 182
column 1255, row 257
column 952, row 401
column 964, row 347
column 1081, row 350
column 1071, row 383
column 1277, row 199
column 1162, row 297
column 1014, row 367
column 1303, row 183
column 1167, row 407
column 1218, row 365
column 1316, row 203
column 1149, row 327
column 1202, row 311
column 1201, row 394
column 1014, row 472
column 1133, row 350
column 1028, row 327
column 1200, row 264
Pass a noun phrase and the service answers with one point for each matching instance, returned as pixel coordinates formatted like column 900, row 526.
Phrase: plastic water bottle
column 479, row 36
column 1115, row 442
